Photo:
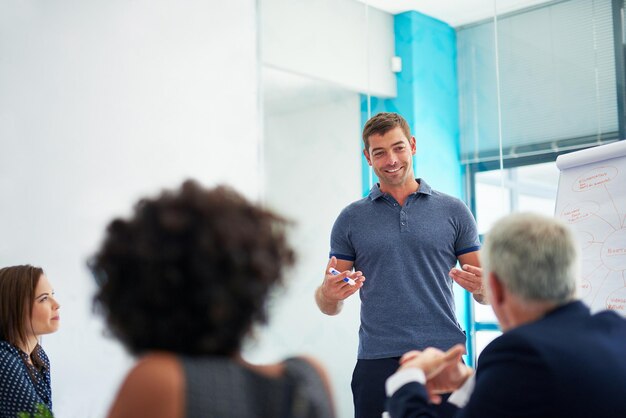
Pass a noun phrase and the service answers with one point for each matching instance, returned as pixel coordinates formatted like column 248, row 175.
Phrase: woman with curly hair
column 28, row 310
column 181, row 284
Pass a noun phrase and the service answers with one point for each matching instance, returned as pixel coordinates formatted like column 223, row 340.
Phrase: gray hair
column 535, row 257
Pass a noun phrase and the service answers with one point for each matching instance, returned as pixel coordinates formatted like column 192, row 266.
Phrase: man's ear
column 413, row 146
column 367, row 156
column 500, row 302
column 496, row 289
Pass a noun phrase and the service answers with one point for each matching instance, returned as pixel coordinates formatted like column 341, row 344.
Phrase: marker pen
column 351, row 282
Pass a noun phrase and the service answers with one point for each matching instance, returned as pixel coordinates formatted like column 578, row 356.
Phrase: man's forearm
column 329, row 307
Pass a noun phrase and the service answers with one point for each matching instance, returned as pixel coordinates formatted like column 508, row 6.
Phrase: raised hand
column 470, row 278
column 334, row 289
column 444, row 370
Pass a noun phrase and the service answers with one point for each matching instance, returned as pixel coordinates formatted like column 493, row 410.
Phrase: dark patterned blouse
column 23, row 385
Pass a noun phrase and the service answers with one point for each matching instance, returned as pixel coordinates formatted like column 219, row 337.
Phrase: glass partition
column 534, row 83
column 530, row 83
column 320, row 62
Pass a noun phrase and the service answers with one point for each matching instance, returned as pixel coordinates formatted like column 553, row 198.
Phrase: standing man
column 405, row 238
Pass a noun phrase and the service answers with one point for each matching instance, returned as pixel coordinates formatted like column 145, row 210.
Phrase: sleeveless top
column 218, row 387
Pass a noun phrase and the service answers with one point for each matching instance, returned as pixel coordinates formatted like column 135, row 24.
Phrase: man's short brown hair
column 382, row 123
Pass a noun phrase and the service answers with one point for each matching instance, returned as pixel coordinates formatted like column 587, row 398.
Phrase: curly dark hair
column 191, row 271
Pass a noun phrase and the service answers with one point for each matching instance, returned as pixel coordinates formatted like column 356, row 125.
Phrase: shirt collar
column 35, row 357
column 375, row 192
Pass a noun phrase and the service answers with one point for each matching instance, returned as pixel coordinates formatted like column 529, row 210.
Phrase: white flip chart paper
column 592, row 200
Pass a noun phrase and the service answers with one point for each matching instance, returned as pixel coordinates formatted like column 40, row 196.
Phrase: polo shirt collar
column 424, row 187
column 375, row 192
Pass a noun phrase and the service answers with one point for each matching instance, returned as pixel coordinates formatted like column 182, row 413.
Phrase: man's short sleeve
column 340, row 243
column 467, row 240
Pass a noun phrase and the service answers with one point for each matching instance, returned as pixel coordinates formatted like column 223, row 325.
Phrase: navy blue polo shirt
column 405, row 253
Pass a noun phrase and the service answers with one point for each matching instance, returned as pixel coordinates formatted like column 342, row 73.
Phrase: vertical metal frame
column 619, row 39
column 468, row 309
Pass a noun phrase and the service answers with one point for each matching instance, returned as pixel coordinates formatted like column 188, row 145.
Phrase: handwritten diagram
column 594, row 205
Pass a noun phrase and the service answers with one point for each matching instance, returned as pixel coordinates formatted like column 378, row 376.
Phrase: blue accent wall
column 427, row 98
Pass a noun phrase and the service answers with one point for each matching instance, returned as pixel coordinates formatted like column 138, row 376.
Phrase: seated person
column 554, row 359
column 181, row 284
column 28, row 310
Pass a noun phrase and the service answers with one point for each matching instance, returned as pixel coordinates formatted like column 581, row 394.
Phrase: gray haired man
column 554, row 358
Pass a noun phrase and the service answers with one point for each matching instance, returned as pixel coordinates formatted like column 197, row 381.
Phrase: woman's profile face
column 45, row 317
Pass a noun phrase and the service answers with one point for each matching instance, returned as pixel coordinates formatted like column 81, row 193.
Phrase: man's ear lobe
column 367, row 156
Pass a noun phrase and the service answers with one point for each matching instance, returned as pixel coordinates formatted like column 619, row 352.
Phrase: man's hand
column 470, row 279
column 334, row 289
column 444, row 370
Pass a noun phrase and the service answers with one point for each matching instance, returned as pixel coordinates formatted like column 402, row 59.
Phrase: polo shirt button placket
column 403, row 221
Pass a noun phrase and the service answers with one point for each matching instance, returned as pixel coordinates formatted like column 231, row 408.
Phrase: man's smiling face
column 391, row 157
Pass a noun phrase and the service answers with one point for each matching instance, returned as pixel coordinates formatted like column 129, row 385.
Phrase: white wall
column 312, row 156
column 101, row 102
column 336, row 41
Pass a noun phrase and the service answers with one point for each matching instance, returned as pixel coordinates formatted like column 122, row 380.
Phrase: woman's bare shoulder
column 154, row 387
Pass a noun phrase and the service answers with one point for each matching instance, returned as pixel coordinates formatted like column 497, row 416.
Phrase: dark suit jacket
column 569, row 364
